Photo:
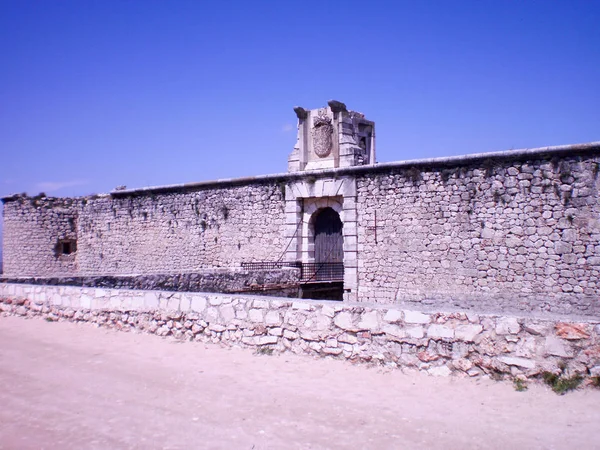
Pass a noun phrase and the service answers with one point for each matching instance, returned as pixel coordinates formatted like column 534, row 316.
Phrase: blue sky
column 96, row 94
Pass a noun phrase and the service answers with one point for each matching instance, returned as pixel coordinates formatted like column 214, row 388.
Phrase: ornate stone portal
column 328, row 138
column 332, row 137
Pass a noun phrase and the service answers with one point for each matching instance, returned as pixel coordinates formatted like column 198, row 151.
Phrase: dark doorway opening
column 329, row 242
column 327, row 271
column 322, row 291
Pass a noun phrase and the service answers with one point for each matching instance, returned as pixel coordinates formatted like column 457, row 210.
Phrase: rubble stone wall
column 155, row 232
column 522, row 229
column 32, row 229
column 511, row 231
column 439, row 343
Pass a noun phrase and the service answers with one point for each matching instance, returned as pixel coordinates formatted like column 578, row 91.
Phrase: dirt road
column 64, row 386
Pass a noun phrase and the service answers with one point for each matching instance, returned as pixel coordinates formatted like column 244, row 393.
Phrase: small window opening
column 363, row 143
column 65, row 247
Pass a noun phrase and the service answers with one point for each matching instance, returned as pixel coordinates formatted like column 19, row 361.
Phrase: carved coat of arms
column 322, row 135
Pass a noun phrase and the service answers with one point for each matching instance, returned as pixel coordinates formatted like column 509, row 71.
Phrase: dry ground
column 64, row 385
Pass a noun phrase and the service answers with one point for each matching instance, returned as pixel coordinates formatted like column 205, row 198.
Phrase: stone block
column 347, row 338
column 214, row 300
column 440, row 332
column 572, row 331
column 255, row 315
column 327, row 311
column 415, row 332
column 198, row 303
column 369, row 321
column 217, row 328
column 349, row 187
column 302, row 306
column 519, row 362
column 416, row 317
column 393, row 316
column 557, row 347
column 277, row 331
column 344, row 321
column 86, row 301
column 227, row 313
column 467, row 332
column 273, row 318
column 507, row 325
column 332, row 351
column 440, row 371
column 394, row 331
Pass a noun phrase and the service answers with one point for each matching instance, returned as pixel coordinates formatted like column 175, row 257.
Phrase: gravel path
column 66, row 385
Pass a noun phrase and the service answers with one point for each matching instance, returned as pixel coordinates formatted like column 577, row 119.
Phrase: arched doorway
column 328, row 244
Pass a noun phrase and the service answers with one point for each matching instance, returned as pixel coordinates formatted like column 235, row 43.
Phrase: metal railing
column 309, row 272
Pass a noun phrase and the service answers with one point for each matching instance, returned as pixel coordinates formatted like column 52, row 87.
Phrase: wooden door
column 329, row 244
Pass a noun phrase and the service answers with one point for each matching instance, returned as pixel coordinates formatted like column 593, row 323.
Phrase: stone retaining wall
column 440, row 343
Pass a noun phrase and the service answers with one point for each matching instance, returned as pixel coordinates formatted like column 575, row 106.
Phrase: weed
column 264, row 351
column 497, row 196
column 520, row 385
column 446, row 175
column 414, row 175
column 282, row 185
column 567, row 197
column 595, row 170
column 595, row 381
column 561, row 384
column 48, row 319
column 557, row 190
column 489, row 165
column 495, row 375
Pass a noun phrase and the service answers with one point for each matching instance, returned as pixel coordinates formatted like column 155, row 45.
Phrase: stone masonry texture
column 527, row 229
column 168, row 232
column 508, row 231
column 439, row 343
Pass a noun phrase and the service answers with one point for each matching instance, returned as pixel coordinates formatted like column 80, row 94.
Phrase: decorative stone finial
column 336, row 106
column 301, row 113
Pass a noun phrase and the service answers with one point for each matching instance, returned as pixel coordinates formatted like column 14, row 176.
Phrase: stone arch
column 312, row 207
column 302, row 199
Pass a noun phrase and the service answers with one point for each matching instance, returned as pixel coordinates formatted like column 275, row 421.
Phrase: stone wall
column 439, row 343
column 156, row 232
column 508, row 231
column 521, row 228
column 33, row 227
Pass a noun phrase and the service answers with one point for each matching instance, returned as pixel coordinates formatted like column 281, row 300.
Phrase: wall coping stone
column 591, row 147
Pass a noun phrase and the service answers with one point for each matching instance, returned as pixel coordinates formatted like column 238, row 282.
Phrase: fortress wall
column 182, row 231
column 33, row 228
column 145, row 233
column 482, row 231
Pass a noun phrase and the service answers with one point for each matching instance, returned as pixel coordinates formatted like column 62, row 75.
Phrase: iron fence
column 309, row 272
